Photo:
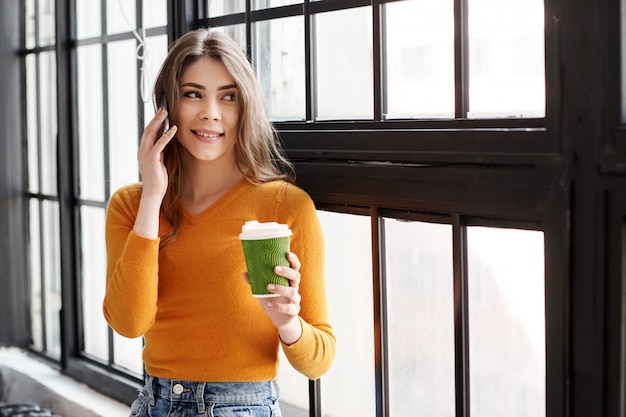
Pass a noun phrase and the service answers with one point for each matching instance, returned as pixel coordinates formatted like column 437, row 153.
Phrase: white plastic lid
column 253, row 230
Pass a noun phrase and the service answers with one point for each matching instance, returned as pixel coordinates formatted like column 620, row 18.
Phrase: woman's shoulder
column 127, row 195
column 281, row 189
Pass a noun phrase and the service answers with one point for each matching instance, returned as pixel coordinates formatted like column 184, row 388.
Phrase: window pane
column 157, row 45
column 280, row 66
column 294, row 389
column 52, row 277
column 127, row 353
column 121, row 16
column 88, row 18
column 348, row 389
column 506, row 322
column 154, row 13
column 32, row 123
column 34, row 246
column 123, row 103
column 507, row 75
column 46, row 22
column 48, row 122
column 224, row 7
column 29, row 24
column 237, row 32
column 420, row 303
column 344, row 64
column 93, row 270
column 90, row 130
column 264, row 4
column 420, row 59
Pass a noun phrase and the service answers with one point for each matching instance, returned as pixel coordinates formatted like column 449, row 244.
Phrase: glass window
column 47, row 25
column 123, row 117
column 344, row 64
column 349, row 286
column 41, row 140
column 90, row 123
column 48, row 121
column 121, row 16
column 506, row 322
column 51, row 300
column 93, row 264
column 420, row 323
column 225, row 7
column 507, row 76
column 349, row 290
column 264, row 4
column 127, row 354
column 294, row 389
column 280, row 68
column 88, row 18
column 35, row 271
column 32, row 123
column 30, row 24
column 155, row 13
column 157, row 51
column 420, row 59
column 237, row 32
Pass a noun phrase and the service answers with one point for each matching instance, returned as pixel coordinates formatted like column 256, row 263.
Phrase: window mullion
column 379, row 60
column 310, row 58
column 461, row 321
column 65, row 167
column 461, row 59
column 315, row 398
column 381, row 339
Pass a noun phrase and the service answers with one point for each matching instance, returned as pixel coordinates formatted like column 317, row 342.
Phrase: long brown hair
column 257, row 151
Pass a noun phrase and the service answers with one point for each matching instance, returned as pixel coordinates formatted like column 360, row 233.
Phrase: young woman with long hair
column 176, row 270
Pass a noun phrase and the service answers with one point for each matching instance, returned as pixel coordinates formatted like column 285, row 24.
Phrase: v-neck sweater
column 189, row 300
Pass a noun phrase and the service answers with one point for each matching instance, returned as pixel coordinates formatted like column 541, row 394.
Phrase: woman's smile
column 209, row 136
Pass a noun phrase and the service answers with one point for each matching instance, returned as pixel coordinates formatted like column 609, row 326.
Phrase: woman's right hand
column 150, row 155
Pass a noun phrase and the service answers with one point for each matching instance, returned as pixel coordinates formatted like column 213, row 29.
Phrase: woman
column 175, row 261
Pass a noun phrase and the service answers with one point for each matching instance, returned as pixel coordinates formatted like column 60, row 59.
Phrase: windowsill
column 27, row 379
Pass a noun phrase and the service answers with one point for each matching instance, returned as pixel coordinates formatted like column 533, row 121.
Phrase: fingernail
column 271, row 286
column 279, row 269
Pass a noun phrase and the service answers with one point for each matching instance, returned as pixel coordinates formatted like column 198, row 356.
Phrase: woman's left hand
column 284, row 310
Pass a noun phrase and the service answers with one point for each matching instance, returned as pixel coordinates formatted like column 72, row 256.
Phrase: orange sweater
column 189, row 300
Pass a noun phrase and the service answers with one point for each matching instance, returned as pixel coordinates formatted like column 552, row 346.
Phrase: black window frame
column 568, row 169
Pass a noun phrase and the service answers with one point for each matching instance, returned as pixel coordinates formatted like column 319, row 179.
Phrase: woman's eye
column 230, row 97
column 192, row 94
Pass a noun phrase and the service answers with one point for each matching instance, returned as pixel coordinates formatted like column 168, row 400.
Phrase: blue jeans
column 162, row 397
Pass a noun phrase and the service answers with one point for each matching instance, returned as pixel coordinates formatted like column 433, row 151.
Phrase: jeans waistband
column 211, row 392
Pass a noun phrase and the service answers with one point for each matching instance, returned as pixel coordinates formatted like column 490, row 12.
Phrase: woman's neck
column 205, row 182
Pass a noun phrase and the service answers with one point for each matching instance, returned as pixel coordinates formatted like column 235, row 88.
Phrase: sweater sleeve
column 130, row 300
column 313, row 354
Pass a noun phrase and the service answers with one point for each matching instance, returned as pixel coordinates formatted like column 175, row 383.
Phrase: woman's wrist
column 147, row 220
column 291, row 332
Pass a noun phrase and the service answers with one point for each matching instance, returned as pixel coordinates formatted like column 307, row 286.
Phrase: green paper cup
column 265, row 246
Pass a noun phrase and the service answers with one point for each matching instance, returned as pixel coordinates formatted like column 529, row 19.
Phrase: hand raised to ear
column 150, row 155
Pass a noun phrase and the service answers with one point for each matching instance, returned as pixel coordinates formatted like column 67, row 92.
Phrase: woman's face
column 208, row 111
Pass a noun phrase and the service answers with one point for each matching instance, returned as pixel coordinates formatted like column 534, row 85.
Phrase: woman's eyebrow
column 227, row 87
column 201, row 87
column 193, row 85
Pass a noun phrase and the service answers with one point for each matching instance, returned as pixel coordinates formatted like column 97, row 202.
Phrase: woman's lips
column 207, row 135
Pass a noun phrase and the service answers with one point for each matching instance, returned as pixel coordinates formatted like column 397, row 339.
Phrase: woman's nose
column 210, row 111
